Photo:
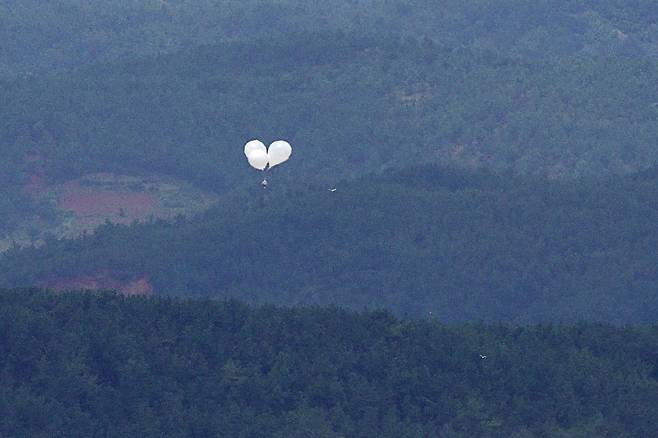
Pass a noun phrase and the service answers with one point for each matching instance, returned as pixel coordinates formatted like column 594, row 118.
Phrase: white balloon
column 278, row 152
column 254, row 145
column 258, row 159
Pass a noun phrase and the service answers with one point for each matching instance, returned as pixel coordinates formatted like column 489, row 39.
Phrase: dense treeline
column 59, row 36
column 462, row 245
column 350, row 104
column 107, row 365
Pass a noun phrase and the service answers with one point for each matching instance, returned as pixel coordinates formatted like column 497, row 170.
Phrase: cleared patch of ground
column 102, row 280
column 80, row 205
column 85, row 203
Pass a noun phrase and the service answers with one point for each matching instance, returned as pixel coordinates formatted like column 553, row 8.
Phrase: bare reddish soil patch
column 102, row 280
column 76, row 207
column 91, row 201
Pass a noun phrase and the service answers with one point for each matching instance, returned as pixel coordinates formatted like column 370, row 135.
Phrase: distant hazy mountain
column 50, row 36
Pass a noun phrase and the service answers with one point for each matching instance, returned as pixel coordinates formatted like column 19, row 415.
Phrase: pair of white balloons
column 260, row 157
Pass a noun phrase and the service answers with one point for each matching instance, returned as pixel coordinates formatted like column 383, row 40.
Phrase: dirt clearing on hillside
column 80, row 205
column 88, row 202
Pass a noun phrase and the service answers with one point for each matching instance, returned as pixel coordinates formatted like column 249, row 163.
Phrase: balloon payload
column 263, row 159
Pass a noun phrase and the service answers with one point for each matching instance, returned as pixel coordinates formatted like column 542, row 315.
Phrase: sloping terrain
column 101, row 280
column 458, row 245
column 350, row 106
column 454, row 161
column 91, row 364
column 59, row 36
column 78, row 206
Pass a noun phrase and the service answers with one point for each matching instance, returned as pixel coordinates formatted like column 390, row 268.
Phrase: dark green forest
column 352, row 104
column 51, row 36
column 464, row 245
column 85, row 364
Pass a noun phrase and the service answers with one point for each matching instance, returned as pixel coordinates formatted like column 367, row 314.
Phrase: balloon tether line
column 264, row 188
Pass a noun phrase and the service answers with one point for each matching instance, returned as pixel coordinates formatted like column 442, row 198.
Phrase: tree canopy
column 104, row 364
column 463, row 245
column 60, row 36
column 353, row 105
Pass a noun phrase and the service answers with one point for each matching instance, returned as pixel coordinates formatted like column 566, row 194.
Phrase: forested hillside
column 107, row 365
column 461, row 170
column 462, row 245
column 351, row 105
column 42, row 36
